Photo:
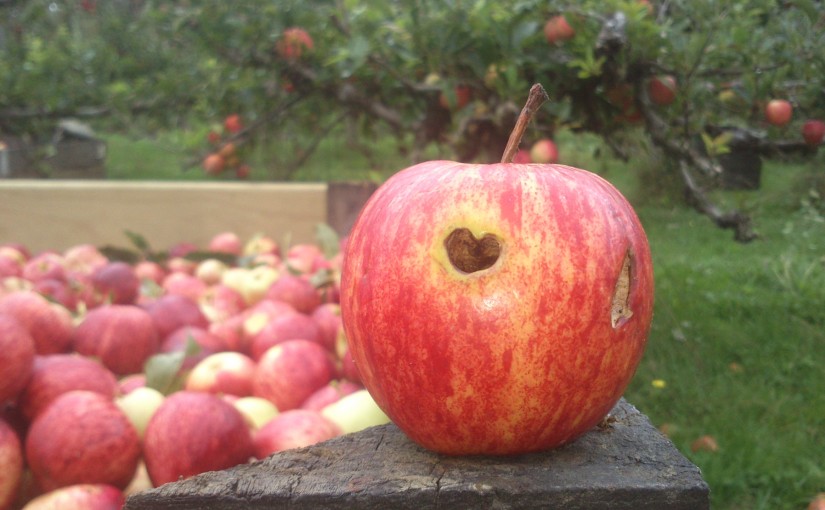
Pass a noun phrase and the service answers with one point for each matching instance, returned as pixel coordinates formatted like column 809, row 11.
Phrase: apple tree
column 692, row 77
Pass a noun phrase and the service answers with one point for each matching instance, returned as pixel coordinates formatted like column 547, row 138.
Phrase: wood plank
column 627, row 464
column 55, row 215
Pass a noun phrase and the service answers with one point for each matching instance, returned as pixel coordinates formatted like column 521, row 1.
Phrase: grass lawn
column 737, row 347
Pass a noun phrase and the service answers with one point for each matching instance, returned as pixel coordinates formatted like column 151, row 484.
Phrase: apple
column 662, row 89
column 461, row 97
column 56, row 374
column 139, row 405
column 209, row 271
column 45, row 265
column 88, row 496
column 171, row 312
column 251, row 283
column 496, row 309
column 557, row 29
column 213, row 164
column 117, row 283
column 232, row 123
column 58, row 291
column 256, row 411
column 293, row 429
column 208, row 343
column 82, row 437
column 288, row 373
column 122, row 336
column 818, row 503
column 298, row 292
column 226, row 242
column 260, row 244
column 220, row 302
column 778, row 112
column 522, row 156
column 11, row 464
column 180, row 265
column 304, row 258
column 355, row 412
column 223, row 373
column 130, row 383
column 328, row 319
column 191, row 433
column 146, row 270
column 17, row 361
column 813, row 132
column 544, row 151
column 293, row 43
column 329, row 394
column 287, row 326
column 49, row 324
column 83, row 258
column 10, row 266
column 183, row 284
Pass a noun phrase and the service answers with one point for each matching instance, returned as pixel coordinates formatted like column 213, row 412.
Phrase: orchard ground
column 735, row 351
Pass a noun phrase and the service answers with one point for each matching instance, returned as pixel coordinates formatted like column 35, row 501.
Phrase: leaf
column 138, row 241
column 115, row 253
column 201, row 255
column 328, row 240
column 163, row 371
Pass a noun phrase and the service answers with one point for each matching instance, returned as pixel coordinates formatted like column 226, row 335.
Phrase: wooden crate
column 54, row 215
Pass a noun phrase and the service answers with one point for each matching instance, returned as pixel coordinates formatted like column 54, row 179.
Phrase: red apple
column 49, row 324
column 58, row 291
column 84, row 258
column 117, row 283
column 223, row 373
column 522, row 156
column 293, row 429
column 183, row 284
column 10, row 266
column 85, row 496
column 11, row 464
column 778, row 112
column 290, row 372
column 171, row 312
column 180, row 265
column 813, row 132
column 298, row 292
column 288, row 326
column 329, row 394
column 294, row 42
column 544, row 151
column 45, row 265
column 191, row 433
column 496, row 309
column 17, row 360
column 151, row 271
column 328, row 319
column 208, row 343
column 82, row 437
column 226, row 242
column 213, row 164
column 220, row 302
column 818, row 503
column 557, row 29
column 461, row 98
column 304, row 258
column 232, row 123
column 122, row 336
column 662, row 89
column 56, row 374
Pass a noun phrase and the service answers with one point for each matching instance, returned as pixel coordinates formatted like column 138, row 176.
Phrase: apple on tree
column 662, row 89
column 293, row 43
column 544, row 151
column 778, row 112
column 557, row 29
column 496, row 309
column 813, row 132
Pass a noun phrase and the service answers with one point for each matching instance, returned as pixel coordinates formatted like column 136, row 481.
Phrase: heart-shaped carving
column 469, row 254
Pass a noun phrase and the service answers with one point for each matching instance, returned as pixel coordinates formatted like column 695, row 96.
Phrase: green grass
column 738, row 335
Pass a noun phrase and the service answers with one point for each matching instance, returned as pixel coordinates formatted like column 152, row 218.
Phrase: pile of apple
column 117, row 377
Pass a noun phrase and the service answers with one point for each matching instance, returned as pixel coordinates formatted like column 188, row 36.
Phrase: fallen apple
column 82, row 437
column 225, row 372
column 11, row 464
column 49, row 324
column 293, row 429
column 256, row 410
column 496, row 309
column 355, row 412
column 17, row 361
column 85, row 496
column 191, row 433
column 122, row 336
column 139, row 405
column 288, row 373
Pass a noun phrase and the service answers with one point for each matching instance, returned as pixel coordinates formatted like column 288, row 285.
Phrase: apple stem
column 535, row 99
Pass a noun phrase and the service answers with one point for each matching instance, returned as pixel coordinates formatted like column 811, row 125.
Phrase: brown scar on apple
column 469, row 254
column 619, row 307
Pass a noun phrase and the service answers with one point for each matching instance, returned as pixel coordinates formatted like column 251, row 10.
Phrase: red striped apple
column 82, row 437
column 191, row 433
column 17, row 361
column 122, row 336
column 293, row 429
column 496, row 309
column 288, row 373
column 49, row 324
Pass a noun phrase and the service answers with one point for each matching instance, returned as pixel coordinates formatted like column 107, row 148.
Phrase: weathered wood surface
column 626, row 464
